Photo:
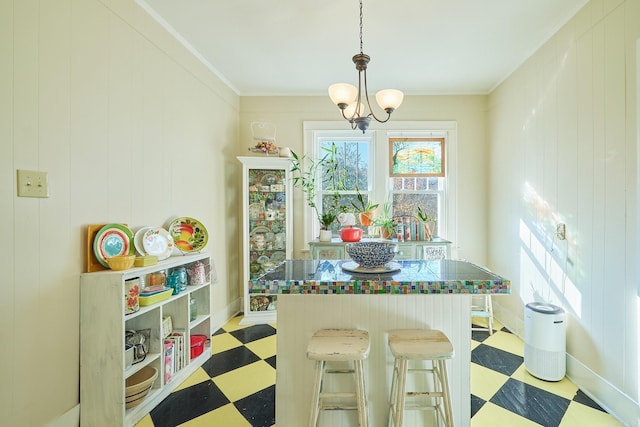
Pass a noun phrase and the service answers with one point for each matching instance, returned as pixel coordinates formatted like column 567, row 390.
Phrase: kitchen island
column 317, row 294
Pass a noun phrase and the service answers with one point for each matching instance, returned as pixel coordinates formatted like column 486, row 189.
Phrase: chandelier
column 350, row 99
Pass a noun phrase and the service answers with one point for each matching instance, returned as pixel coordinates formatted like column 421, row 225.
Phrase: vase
column 325, row 235
column 366, row 218
column 385, row 233
column 426, row 231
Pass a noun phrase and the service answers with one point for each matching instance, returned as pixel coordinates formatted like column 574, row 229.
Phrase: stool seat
column 334, row 346
column 338, row 345
column 420, row 345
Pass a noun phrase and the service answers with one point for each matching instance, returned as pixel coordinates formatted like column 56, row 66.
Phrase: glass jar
column 193, row 309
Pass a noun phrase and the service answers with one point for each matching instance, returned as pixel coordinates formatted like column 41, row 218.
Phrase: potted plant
column 426, row 220
column 305, row 176
column 385, row 221
column 364, row 209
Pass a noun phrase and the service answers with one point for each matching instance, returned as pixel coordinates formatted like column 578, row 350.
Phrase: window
column 352, row 174
column 417, row 179
column 367, row 159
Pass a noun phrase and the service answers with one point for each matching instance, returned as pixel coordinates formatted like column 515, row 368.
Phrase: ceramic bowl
column 138, row 386
column 121, row 262
column 373, row 253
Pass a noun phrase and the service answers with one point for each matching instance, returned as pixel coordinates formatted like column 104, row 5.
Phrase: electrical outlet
column 32, row 184
column 561, row 231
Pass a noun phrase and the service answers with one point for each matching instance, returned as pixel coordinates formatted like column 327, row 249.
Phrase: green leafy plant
column 385, row 221
column 306, row 172
column 326, row 219
column 426, row 219
column 424, row 216
column 360, row 205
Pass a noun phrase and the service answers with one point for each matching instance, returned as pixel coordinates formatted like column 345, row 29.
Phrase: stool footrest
column 480, row 314
column 339, row 407
column 414, row 407
column 339, row 371
column 424, row 394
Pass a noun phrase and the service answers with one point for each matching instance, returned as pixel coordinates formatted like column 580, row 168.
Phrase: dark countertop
column 408, row 277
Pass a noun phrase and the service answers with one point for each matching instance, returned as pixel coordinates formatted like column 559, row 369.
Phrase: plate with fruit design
column 188, row 234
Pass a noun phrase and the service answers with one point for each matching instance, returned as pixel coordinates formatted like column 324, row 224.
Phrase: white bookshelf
column 102, row 340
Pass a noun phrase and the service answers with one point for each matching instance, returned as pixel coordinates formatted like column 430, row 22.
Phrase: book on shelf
column 183, row 346
column 169, row 356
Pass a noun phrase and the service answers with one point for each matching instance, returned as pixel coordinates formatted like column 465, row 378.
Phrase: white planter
column 325, row 235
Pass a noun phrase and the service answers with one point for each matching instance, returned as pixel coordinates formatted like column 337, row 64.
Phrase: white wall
column 130, row 128
column 563, row 149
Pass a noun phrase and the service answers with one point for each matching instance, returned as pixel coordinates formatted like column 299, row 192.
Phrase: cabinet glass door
column 267, row 219
column 267, row 225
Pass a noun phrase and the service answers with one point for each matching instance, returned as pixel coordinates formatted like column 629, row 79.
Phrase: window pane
column 407, row 205
column 351, row 157
column 344, row 200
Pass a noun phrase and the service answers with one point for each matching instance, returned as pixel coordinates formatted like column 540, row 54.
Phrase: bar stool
column 338, row 345
column 420, row 344
column 481, row 306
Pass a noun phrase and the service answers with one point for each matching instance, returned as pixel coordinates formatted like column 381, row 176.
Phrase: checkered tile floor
column 236, row 386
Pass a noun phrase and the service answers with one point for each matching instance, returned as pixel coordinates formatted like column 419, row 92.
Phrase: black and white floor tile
column 236, row 386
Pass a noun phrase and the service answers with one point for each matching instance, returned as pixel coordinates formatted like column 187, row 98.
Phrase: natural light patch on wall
column 543, row 257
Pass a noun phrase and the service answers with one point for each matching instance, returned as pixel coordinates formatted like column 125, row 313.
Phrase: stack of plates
column 112, row 240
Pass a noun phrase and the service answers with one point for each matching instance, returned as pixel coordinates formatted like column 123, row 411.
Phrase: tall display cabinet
column 267, row 224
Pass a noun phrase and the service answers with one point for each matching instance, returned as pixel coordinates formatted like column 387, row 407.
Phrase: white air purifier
column 545, row 341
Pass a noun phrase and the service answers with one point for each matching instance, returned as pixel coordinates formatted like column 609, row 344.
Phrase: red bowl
column 197, row 345
column 350, row 234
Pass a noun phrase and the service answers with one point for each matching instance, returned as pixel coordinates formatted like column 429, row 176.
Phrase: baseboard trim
column 597, row 388
column 605, row 394
column 71, row 418
column 221, row 317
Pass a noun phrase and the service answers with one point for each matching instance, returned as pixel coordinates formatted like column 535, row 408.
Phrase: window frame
column 380, row 184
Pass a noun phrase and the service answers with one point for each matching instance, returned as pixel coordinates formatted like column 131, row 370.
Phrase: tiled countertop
column 408, row 277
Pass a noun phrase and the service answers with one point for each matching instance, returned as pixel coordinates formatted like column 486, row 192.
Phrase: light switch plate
column 32, row 184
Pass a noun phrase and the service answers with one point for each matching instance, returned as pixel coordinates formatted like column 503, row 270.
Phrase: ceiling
column 300, row 47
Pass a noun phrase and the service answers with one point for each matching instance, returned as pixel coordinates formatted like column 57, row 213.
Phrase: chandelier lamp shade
column 351, row 100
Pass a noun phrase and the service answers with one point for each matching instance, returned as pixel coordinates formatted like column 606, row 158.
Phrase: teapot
column 347, row 219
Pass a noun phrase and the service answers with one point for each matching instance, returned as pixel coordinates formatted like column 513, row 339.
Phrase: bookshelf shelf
column 103, row 324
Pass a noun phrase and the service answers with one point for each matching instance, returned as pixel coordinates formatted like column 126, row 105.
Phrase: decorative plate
column 188, row 234
column 269, row 179
column 112, row 240
column 157, row 241
column 255, row 209
column 137, row 240
column 260, row 229
column 354, row 267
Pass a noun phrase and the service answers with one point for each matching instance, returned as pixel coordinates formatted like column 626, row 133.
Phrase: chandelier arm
column 371, row 113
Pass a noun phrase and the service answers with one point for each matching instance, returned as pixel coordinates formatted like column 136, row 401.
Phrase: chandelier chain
column 360, row 26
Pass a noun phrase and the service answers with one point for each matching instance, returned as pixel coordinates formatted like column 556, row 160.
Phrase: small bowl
column 121, row 262
column 372, row 253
